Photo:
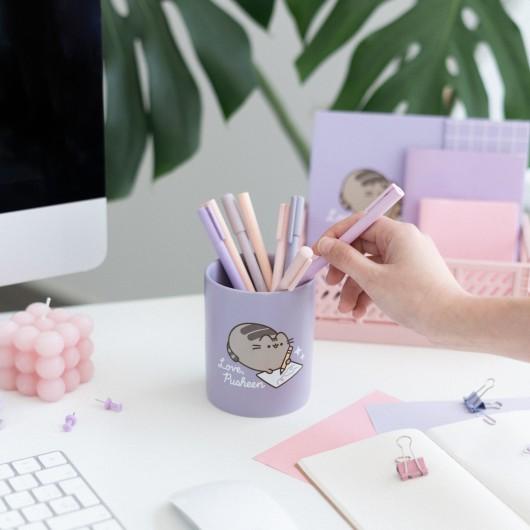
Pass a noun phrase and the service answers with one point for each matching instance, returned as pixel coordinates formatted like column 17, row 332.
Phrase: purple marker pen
column 216, row 237
column 238, row 227
column 295, row 228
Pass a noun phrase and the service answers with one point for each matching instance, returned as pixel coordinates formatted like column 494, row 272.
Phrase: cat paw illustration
column 286, row 360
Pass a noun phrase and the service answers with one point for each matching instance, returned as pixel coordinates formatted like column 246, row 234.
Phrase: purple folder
column 437, row 173
column 348, row 142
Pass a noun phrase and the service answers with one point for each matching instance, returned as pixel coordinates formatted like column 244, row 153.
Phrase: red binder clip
column 407, row 465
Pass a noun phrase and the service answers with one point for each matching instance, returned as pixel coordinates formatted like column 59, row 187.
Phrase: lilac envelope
column 441, row 174
column 425, row 415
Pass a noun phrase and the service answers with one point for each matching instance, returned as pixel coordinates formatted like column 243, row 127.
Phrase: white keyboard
column 46, row 492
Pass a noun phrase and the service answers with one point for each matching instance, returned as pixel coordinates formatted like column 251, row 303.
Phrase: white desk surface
column 150, row 355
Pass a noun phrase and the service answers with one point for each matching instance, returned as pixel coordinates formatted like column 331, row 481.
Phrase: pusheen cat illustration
column 259, row 347
column 361, row 187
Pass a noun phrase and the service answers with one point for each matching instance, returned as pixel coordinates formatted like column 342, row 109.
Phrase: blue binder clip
column 475, row 404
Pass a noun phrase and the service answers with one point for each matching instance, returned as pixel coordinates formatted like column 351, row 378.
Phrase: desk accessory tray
column 480, row 278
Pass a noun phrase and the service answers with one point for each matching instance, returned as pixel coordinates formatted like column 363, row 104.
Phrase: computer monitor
column 52, row 178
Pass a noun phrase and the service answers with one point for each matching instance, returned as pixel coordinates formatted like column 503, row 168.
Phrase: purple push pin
column 71, row 419
column 108, row 404
column 69, row 422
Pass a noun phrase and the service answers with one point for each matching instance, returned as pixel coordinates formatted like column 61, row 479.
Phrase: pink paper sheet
column 350, row 424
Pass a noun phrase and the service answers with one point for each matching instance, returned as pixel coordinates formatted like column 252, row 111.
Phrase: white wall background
column 156, row 244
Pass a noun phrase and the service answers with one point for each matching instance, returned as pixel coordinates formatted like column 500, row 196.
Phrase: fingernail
column 325, row 244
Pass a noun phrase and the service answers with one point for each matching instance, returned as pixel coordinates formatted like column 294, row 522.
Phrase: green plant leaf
column 419, row 80
column 422, row 80
column 223, row 49
column 126, row 124
column 175, row 107
column 502, row 34
column 339, row 27
column 303, row 12
column 259, row 10
column 289, row 128
column 468, row 84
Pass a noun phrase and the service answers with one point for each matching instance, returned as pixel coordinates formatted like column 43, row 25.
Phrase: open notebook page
column 494, row 455
column 361, row 481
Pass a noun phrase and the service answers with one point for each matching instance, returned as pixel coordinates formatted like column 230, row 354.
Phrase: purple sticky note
column 436, row 173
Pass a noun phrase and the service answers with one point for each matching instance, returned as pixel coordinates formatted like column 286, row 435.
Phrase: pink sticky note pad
column 477, row 230
column 346, row 426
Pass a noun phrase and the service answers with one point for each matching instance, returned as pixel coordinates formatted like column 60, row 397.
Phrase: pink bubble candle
column 45, row 352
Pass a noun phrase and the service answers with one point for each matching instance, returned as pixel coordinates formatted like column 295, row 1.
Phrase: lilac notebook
column 436, row 173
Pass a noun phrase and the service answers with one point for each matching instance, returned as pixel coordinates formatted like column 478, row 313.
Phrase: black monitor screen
column 51, row 104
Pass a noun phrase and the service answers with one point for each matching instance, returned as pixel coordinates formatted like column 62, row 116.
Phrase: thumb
column 348, row 260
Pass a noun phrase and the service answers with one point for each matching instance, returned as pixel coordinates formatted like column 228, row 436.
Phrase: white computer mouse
column 231, row 505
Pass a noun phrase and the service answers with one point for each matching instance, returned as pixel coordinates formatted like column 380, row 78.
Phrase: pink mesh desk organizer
column 476, row 277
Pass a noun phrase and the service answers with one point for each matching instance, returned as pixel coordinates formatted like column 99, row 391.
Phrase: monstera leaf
column 126, row 123
column 259, row 10
column 303, row 12
column 173, row 115
column 431, row 48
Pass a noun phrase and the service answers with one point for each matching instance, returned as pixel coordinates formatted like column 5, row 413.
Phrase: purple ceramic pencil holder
column 259, row 347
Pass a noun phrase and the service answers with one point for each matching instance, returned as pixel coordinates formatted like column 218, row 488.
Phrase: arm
column 407, row 278
column 496, row 325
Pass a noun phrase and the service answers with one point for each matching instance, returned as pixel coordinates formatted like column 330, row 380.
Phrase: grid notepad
column 487, row 136
column 46, row 492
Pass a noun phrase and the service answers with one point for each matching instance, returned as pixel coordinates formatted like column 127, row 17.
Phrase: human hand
column 403, row 273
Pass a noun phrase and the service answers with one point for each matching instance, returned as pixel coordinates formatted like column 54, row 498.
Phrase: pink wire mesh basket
column 480, row 278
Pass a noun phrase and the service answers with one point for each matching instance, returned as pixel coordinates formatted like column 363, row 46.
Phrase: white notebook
column 479, row 478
